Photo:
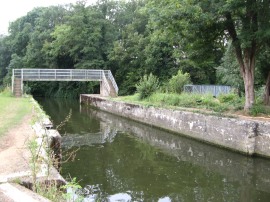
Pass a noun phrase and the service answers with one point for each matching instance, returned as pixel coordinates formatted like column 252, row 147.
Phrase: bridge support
column 107, row 89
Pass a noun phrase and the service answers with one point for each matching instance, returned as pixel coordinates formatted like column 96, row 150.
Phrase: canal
column 121, row 160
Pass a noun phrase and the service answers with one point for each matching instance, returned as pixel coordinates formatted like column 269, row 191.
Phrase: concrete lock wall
column 246, row 136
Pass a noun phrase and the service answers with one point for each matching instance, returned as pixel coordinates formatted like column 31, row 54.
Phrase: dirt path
column 14, row 154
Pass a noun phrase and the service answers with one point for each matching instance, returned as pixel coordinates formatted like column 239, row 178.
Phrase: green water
column 122, row 160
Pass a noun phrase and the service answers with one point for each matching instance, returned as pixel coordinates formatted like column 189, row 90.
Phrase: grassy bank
column 12, row 110
column 229, row 103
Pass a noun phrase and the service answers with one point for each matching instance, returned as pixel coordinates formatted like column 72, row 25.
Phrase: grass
column 12, row 110
column 221, row 104
column 229, row 103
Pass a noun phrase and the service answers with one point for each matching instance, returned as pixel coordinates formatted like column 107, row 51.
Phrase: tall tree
column 209, row 22
column 196, row 47
column 247, row 23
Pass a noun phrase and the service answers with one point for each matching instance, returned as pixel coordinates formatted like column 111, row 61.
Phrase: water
column 122, row 160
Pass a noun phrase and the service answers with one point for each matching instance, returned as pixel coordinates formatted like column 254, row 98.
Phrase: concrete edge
column 250, row 137
column 16, row 192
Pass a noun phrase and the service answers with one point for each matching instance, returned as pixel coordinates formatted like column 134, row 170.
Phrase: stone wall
column 49, row 144
column 236, row 167
column 246, row 136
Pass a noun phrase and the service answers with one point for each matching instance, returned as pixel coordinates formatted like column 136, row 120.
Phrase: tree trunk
column 248, row 76
column 267, row 90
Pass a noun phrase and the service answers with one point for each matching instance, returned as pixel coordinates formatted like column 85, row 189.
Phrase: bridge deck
column 60, row 74
column 104, row 76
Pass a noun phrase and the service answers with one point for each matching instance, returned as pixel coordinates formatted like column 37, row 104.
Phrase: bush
column 147, row 86
column 177, row 82
column 258, row 109
column 209, row 101
column 260, row 94
column 223, row 98
column 189, row 100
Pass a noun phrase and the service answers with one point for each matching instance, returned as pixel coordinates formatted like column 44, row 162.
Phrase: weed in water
column 72, row 191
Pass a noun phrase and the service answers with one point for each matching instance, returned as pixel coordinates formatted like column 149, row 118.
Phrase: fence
column 213, row 89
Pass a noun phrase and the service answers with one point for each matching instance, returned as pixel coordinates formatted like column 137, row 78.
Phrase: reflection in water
column 120, row 159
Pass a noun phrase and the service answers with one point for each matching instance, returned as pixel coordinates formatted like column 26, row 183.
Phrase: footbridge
column 108, row 86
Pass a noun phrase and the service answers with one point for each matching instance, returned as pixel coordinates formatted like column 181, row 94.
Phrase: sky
column 10, row 10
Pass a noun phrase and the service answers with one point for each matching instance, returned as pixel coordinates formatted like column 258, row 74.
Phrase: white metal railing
column 64, row 75
column 111, row 78
column 58, row 74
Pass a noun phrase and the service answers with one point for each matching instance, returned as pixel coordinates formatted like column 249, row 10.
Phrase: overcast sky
column 10, row 10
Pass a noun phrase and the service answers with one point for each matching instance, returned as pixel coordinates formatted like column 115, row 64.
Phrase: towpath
column 14, row 163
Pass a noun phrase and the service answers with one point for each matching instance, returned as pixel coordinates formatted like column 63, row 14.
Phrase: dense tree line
column 216, row 42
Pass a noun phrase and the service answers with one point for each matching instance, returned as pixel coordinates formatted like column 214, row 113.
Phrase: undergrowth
column 223, row 103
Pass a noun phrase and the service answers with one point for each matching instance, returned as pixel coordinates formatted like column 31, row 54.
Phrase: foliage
column 177, row 82
column 34, row 164
column 228, row 72
column 227, row 97
column 259, row 109
column 260, row 95
column 209, row 40
column 147, row 86
column 229, row 102
column 50, row 192
column 72, row 188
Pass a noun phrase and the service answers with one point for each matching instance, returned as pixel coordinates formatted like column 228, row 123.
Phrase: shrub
column 177, row 82
column 147, row 86
column 209, row 101
column 189, row 100
column 260, row 94
column 257, row 109
column 223, row 98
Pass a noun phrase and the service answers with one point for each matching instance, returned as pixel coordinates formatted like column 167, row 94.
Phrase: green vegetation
column 147, row 86
column 50, row 190
column 224, row 103
column 220, row 42
column 12, row 110
column 176, row 83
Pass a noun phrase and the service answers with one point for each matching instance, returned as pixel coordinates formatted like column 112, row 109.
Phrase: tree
column 127, row 58
column 5, row 56
column 208, row 23
column 246, row 27
column 264, row 69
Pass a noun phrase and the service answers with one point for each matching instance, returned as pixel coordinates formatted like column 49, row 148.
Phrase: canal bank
column 121, row 159
column 251, row 137
column 20, row 145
